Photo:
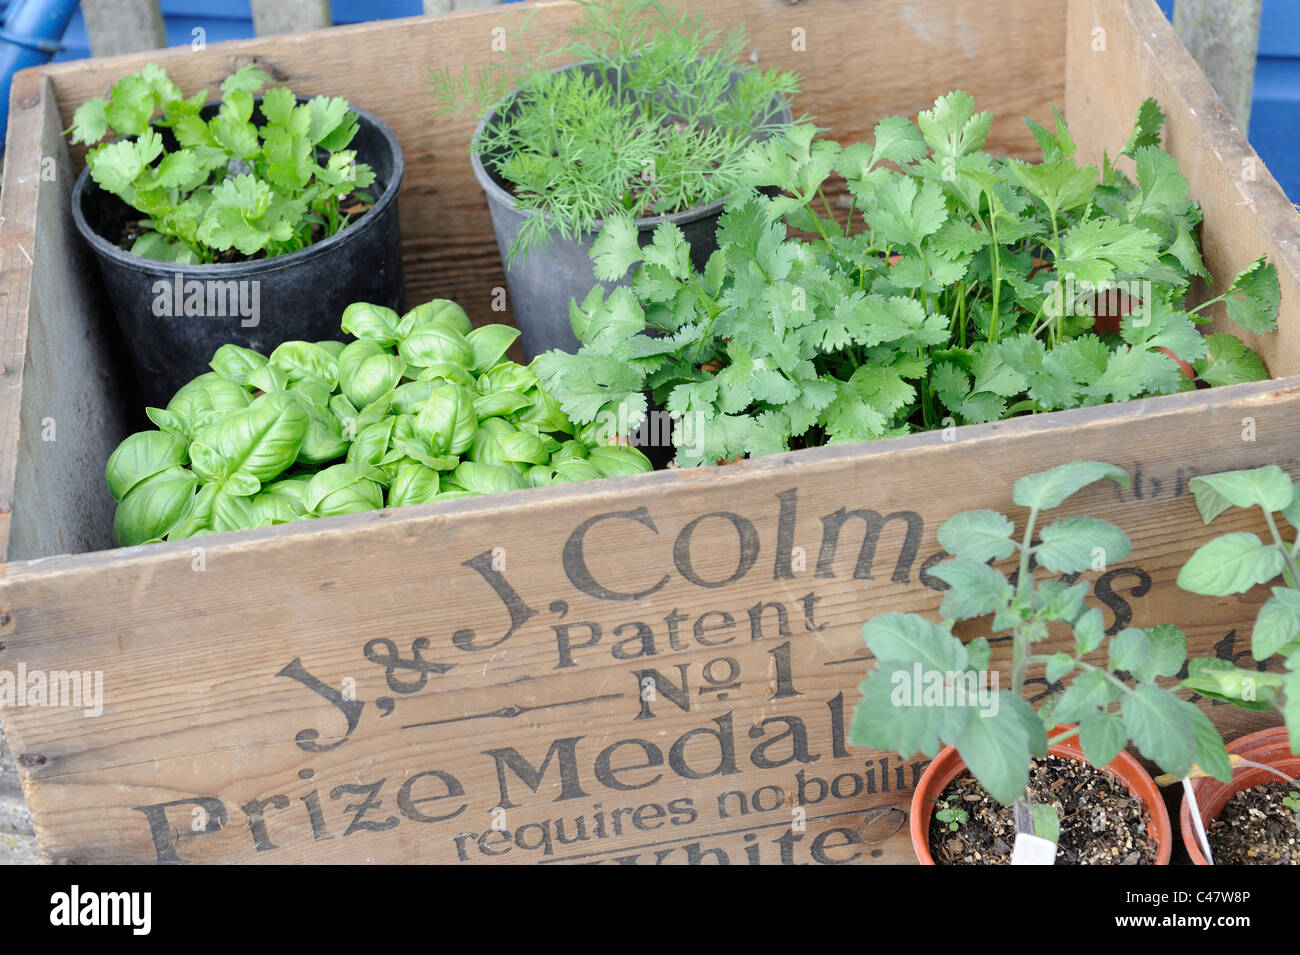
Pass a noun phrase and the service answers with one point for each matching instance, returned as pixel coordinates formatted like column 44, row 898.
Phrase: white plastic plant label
column 1033, row 850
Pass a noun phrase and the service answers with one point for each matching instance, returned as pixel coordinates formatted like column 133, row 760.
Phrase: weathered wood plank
column 232, row 665
column 206, row 694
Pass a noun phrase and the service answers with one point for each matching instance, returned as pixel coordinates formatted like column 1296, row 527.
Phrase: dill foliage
column 649, row 114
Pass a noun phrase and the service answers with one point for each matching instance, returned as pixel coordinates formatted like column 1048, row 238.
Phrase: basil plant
column 419, row 408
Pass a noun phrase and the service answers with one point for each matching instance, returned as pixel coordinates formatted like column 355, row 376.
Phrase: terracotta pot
column 1271, row 747
column 947, row 766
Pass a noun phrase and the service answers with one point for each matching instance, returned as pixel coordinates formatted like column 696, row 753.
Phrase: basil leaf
column 141, row 456
column 154, row 506
column 261, row 440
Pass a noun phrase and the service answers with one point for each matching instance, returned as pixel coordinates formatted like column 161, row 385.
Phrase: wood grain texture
column 190, row 658
column 206, row 708
column 74, row 407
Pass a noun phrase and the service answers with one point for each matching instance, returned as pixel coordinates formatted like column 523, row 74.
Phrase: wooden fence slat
column 123, row 26
column 290, row 16
column 1223, row 36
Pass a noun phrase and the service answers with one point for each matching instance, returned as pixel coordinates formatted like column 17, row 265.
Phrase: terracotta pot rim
column 1270, row 746
column 947, row 765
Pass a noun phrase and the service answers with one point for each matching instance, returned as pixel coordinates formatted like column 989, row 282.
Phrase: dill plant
column 651, row 115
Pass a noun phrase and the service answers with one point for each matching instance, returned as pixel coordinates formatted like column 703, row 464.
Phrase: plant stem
column 1287, row 554
column 1107, row 674
column 1024, row 584
column 1207, row 304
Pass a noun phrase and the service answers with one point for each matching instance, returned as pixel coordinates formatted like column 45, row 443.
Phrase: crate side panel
column 73, row 401
column 679, row 675
column 1119, row 52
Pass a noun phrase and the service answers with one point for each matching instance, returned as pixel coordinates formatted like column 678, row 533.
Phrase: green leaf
column 1056, row 600
column 976, row 589
column 342, row 489
column 413, row 484
column 1095, row 250
column 953, row 128
column 490, row 343
column 306, row 360
column 888, row 718
column 1277, row 624
column 1163, row 188
column 897, row 140
column 1253, row 298
column 1071, row 545
column 1211, row 755
column 907, row 637
column 433, row 344
column 235, row 363
column 996, row 749
column 1223, row 680
column 1089, row 631
column 1130, row 652
column 980, row 535
column 1089, row 691
column 905, row 211
column 616, row 249
column 1229, row 362
column 131, row 105
column 1047, row 824
column 1230, row 564
column 1059, row 665
column 140, row 457
column 1048, row 489
column 1159, row 727
column 154, row 506
column 1168, row 649
column 117, row 165
column 1267, row 487
column 90, row 122
column 1103, row 737
column 259, row 441
column 1060, row 186
column 249, row 78
column 1146, row 130
column 440, row 311
column 978, row 653
column 1291, row 705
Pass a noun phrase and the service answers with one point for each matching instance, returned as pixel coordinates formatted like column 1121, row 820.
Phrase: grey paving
column 17, row 841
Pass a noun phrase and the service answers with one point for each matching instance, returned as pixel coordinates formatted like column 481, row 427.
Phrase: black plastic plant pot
column 544, row 281
column 174, row 317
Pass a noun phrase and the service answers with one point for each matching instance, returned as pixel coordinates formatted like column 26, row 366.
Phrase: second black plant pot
column 543, row 282
column 173, row 317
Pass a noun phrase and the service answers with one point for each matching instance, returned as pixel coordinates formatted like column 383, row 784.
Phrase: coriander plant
column 1112, row 699
column 961, row 288
column 228, row 187
column 656, row 123
column 419, row 408
column 1235, row 563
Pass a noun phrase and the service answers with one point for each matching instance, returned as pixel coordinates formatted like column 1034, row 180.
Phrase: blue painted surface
column 1275, row 107
column 1275, row 114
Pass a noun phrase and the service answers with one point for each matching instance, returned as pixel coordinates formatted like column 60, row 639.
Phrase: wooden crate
column 462, row 682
